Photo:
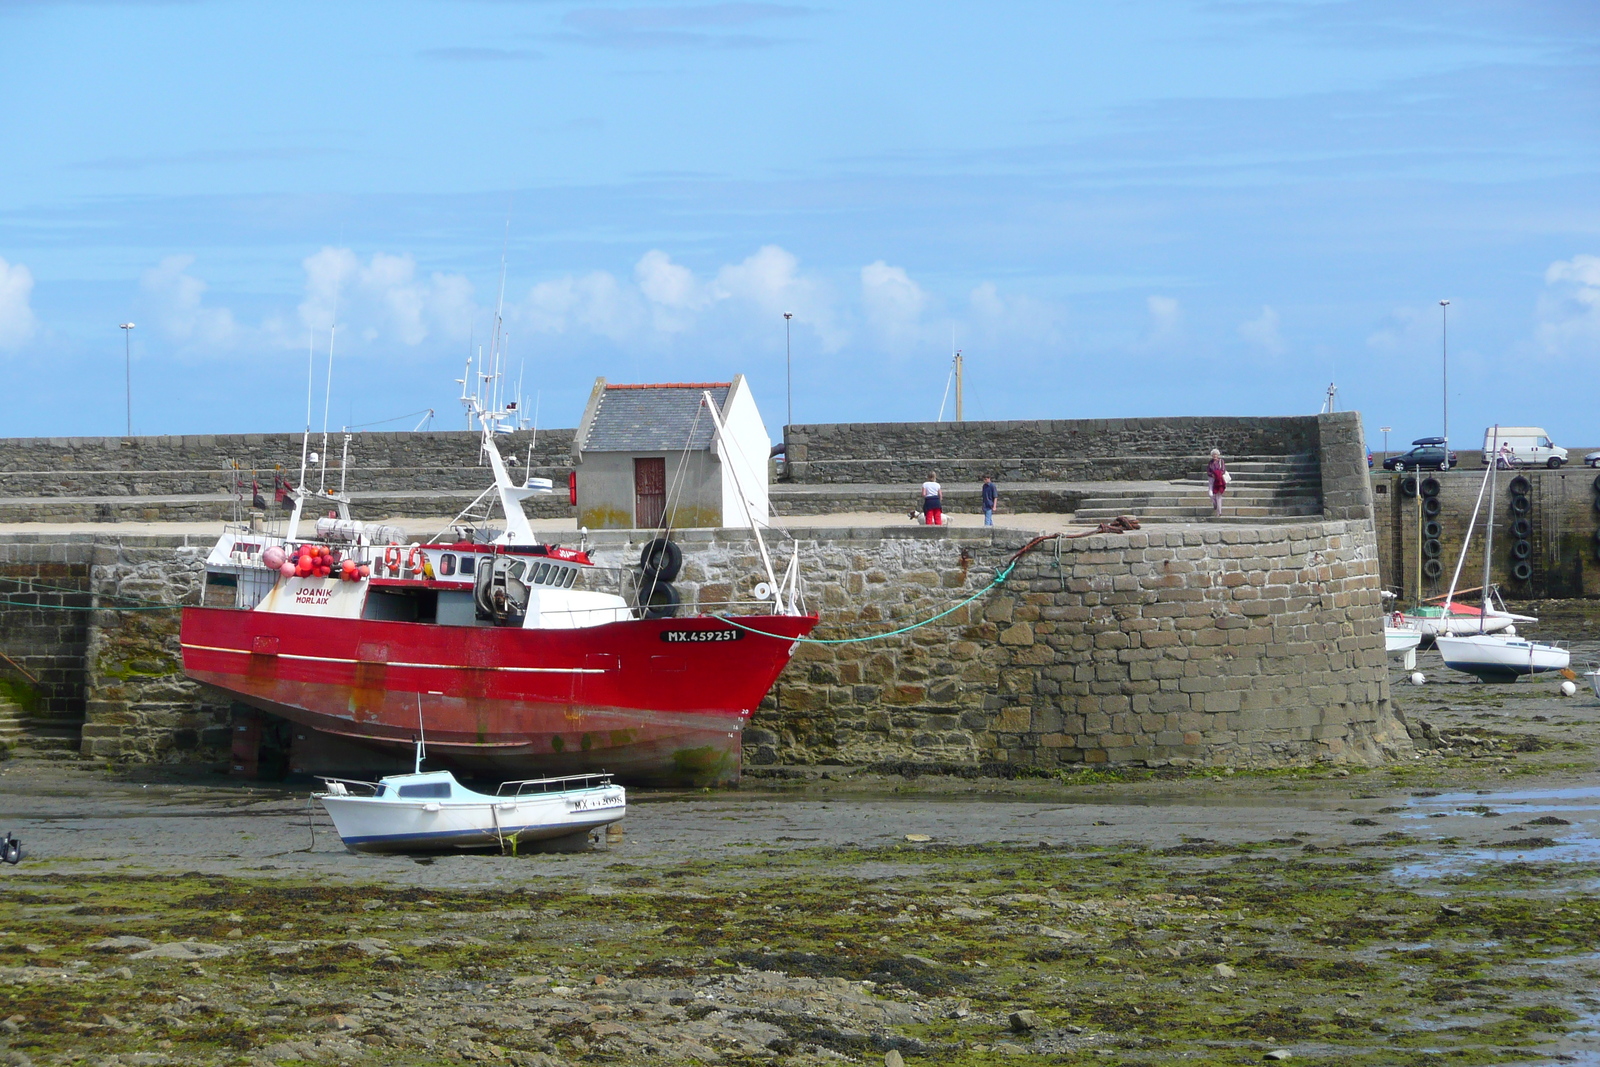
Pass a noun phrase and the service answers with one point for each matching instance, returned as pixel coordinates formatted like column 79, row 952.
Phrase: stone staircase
column 37, row 737
column 1264, row 488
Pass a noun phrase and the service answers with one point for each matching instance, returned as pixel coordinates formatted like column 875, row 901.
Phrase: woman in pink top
column 1218, row 472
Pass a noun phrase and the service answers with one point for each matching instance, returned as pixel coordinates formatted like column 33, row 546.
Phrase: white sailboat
column 1493, row 656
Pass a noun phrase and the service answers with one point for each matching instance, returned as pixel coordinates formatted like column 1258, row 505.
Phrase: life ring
column 415, row 560
column 391, row 560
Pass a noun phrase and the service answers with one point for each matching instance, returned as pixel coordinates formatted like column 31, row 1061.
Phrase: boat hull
column 652, row 701
column 1397, row 641
column 1493, row 657
column 368, row 824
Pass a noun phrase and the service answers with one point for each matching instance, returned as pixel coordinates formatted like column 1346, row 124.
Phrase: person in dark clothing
column 991, row 496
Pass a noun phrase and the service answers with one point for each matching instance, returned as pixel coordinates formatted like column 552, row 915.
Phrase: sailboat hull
column 1495, row 657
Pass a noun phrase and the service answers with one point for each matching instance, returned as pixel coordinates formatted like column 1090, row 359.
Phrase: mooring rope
column 999, row 577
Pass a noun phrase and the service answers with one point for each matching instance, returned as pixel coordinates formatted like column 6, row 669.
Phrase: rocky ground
column 1439, row 911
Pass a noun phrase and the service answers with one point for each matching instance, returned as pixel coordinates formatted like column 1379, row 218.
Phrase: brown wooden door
column 649, row 493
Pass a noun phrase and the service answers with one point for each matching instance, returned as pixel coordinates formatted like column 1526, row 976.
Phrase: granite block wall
column 1214, row 646
column 1043, row 450
column 44, row 627
column 203, row 463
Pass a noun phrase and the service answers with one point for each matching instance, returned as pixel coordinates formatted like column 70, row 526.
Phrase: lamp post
column 127, row 369
column 1444, row 349
column 1385, row 430
column 788, row 367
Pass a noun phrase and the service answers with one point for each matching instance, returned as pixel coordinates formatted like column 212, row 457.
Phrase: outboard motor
column 500, row 590
column 11, row 849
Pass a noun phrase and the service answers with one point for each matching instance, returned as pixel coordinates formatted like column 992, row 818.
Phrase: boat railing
column 341, row 787
column 529, row 786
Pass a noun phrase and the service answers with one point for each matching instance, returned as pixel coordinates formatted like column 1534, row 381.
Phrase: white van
column 1523, row 446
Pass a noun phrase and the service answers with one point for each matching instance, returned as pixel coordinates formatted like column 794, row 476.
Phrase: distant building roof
column 654, row 418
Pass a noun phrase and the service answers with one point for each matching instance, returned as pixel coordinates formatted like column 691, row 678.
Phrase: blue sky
column 1147, row 208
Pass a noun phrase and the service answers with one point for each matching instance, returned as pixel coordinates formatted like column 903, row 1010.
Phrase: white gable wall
column 746, row 452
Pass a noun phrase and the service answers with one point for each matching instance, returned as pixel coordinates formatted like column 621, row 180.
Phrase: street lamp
column 788, row 367
column 1444, row 348
column 127, row 368
column 1385, row 430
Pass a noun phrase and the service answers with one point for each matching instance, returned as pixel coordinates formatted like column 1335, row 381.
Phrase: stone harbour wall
column 1035, row 450
column 44, row 627
column 203, row 463
column 1217, row 646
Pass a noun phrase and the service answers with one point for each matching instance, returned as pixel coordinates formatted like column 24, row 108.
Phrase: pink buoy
column 273, row 557
column 286, row 569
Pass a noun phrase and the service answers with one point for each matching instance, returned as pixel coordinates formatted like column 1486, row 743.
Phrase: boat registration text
column 694, row 637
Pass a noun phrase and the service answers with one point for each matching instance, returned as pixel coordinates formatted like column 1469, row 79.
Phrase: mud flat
column 1439, row 911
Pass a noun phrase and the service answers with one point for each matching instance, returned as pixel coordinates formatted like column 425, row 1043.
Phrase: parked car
column 1591, row 459
column 1427, row 453
column 1521, row 446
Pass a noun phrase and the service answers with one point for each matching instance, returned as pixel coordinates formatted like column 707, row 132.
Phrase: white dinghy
column 1493, row 656
column 429, row 811
column 1399, row 640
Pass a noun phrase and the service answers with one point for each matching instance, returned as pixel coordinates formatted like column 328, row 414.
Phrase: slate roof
column 654, row 418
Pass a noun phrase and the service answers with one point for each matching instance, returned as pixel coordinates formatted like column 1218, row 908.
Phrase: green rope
column 75, row 607
column 998, row 578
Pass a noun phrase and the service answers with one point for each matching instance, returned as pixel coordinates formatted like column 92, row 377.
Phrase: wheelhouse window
column 447, row 563
column 426, row 791
column 468, row 564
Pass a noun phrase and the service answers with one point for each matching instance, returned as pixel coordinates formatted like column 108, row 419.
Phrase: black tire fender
column 1431, row 506
column 660, row 601
column 1408, row 485
column 1522, row 570
column 1522, row 528
column 1520, row 505
column 1521, row 550
column 1430, row 486
column 1431, row 548
column 1519, row 485
column 661, row 558
column 1432, row 528
column 1432, row 568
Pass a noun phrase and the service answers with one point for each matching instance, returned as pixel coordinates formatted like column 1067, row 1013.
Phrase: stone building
column 645, row 456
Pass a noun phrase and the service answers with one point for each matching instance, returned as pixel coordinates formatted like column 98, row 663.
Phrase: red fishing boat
column 512, row 656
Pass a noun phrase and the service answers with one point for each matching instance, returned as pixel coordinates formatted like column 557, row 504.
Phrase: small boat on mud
column 1488, row 656
column 1399, row 640
column 429, row 811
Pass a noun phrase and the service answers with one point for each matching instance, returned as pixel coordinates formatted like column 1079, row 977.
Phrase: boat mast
column 728, row 449
column 1465, row 544
column 1488, row 526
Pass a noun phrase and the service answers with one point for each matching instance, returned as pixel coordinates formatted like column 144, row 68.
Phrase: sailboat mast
column 1488, row 527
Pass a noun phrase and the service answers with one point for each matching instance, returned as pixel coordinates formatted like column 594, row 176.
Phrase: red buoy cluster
column 320, row 561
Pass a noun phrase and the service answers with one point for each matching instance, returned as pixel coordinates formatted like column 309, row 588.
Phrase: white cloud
column 384, row 298
column 1262, row 332
column 666, row 298
column 1166, row 322
column 1407, row 329
column 1569, row 309
column 1005, row 320
column 596, row 303
column 892, row 302
column 177, row 299
column 17, row 322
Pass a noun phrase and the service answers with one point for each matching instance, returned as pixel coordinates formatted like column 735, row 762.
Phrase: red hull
column 625, row 697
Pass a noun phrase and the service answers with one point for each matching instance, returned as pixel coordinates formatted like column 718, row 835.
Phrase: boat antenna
column 311, row 359
column 422, row 741
column 327, row 395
